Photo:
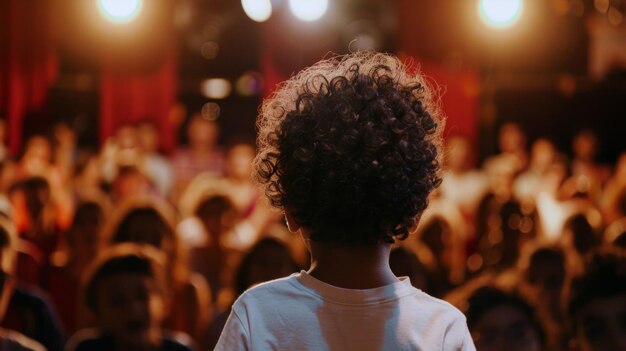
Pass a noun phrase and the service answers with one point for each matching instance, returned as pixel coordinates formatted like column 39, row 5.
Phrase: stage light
column 308, row 10
column 216, row 88
column 500, row 13
column 120, row 11
column 257, row 10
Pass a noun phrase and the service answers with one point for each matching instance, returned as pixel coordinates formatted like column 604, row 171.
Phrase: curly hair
column 350, row 148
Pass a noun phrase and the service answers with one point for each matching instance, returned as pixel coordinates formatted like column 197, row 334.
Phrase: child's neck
column 358, row 267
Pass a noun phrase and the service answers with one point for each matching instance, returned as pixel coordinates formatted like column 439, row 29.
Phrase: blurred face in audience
column 505, row 328
column 131, row 308
column 585, row 146
column 148, row 137
column 457, row 154
column 202, row 132
column 601, row 324
column 239, row 162
column 543, row 154
column 511, row 138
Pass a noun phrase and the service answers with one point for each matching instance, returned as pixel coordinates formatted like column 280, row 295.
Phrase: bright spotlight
column 500, row 13
column 308, row 10
column 257, row 10
column 216, row 88
column 120, row 11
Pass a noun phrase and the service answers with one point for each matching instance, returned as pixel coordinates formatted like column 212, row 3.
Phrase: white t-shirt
column 300, row 312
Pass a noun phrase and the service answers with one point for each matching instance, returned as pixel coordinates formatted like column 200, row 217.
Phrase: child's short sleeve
column 458, row 337
column 234, row 335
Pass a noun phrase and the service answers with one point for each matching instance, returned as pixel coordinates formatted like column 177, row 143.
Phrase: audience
column 549, row 228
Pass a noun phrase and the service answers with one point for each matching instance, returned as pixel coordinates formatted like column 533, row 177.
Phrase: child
column 348, row 149
column 125, row 289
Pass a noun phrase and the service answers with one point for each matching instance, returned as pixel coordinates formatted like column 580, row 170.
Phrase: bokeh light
column 257, row 10
column 249, row 84
column 308, row 10
column 216, row 88
column 120, row 11
column 500, row 13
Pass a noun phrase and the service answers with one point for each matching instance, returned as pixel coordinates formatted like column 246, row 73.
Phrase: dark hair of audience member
column 350, row 149
column 580, row 233
column 405, row 263
column 122, row 258
column 596, row 305
column 267, row 260
column 491, row 317
column 148, row 221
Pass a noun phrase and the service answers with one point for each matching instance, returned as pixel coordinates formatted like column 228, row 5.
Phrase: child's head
column 502, row 321
column 349, row 149
column 125, row 289
column 597, row 303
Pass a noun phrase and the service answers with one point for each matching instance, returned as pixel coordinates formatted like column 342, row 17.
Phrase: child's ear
column 291, row 222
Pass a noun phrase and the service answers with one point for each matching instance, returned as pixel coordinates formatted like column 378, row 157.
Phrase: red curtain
column 28, row 63
column 127, row 97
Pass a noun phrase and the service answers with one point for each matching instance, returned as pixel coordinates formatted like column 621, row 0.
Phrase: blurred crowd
column 530, row 246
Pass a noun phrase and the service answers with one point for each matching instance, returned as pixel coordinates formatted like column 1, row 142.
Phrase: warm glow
column 257, row 10
column 500, row 13
column 308, row 10
column 216, row 88
column 120, row 10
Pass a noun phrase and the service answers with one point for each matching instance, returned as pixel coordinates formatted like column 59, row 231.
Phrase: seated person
column 125, row 288
column 9, row 339
column 349, row 153
column 502, row 321
column 597, row 303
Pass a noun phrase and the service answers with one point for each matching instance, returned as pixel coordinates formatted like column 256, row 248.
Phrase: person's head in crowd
column 543, row 154
column 503, row 228
column 503, row 321
column 267, row 260
column 436, row 234
column 88, row 166
column 64, row 136
column 126, row 291
column 8, row 258
column 37, row 156
column 543, row 274
column 202, row 132
column 579, row 234
column 349, row 149
column 130, row 182
column 458, row 154
column 83, row 236
column 405, row 263
column 148, row 136
column 585, row 146
column 597, row 303
column 30, row 198
column 8, row 253
column 511, row 138
column 218, row 215
column 146, row 220
column 239, row 159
